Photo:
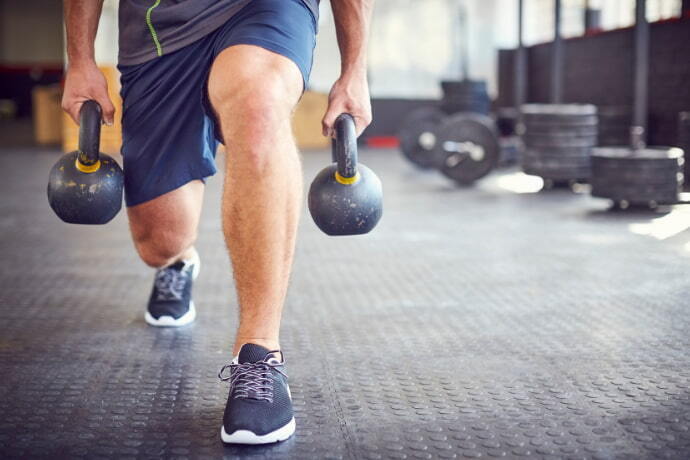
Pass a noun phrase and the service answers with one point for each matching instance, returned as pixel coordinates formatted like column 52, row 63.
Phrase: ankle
column 268, row 343
column 188, row 255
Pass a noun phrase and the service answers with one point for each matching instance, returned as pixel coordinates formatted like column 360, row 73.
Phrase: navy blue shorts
column 169, row 134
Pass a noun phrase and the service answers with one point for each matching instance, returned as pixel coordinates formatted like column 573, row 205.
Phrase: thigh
column 263, row 58
column 284, row 27
column 168, row 140
column 169, row 218
column 249, row 78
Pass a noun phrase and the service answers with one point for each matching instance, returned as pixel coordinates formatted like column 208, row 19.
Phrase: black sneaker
column 259, row 409
column 171, row 302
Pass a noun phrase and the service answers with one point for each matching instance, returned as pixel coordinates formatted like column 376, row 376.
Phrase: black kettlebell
column 85, row 187
column 345, row 198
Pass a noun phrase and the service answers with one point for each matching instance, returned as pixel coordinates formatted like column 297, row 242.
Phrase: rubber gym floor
column 492, row 321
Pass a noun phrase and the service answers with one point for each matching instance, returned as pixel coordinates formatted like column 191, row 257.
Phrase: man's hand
column 83, row 82
column 350, row 94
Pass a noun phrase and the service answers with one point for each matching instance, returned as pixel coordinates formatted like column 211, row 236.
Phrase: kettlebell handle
column 89, row 136
column 345, row 149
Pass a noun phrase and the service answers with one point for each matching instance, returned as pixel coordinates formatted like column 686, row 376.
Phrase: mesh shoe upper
column 259, row 399
column 172, row 291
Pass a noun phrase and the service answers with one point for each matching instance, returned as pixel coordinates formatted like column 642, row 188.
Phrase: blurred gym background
column 519, row 317
column 414, row 46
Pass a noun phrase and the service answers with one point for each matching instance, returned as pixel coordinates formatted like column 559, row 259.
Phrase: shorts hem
column 131, row 202
column 304, row 68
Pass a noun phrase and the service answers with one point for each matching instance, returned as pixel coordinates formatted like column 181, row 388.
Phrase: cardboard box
column 306, row 122
column 47, row 114
column 111, row 136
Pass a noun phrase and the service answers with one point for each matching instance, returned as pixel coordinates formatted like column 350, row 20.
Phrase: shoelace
column 251, row 380
column 170, row 283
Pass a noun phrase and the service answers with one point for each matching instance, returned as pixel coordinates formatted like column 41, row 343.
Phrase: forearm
column 81, row 24
column 352, row 19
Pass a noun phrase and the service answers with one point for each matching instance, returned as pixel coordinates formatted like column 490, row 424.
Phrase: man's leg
column 164, row 229
column 253, row 93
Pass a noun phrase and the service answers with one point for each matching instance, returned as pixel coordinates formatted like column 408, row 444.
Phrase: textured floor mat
column 473, row 322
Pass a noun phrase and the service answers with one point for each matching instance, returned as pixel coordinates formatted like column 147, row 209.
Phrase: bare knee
column 254, row 105
column 164, row 228
column 254, row 124
column 163, row 247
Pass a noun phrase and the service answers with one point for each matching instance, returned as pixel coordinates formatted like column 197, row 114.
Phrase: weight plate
column 610, row 173
column 633, row 178
column 651, row 161
column 417, row 135
column 567, row 120
column 556, row 130
column 537, row 140
column 652, row 174
column 635, row 188
column 638, row 195
column 467, row 147
column 559, row 113
column 615, row 164
column 559, row 109
column 647, row 154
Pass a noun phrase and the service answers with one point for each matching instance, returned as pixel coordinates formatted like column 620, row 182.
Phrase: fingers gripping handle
column 89, row 133
column 345, row 146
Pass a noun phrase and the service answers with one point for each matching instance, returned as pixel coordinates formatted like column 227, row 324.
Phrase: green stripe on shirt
column 154, row 36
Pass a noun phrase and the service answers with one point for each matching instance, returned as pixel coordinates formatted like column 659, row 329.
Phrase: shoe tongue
column 251, row 353
column 178, row 266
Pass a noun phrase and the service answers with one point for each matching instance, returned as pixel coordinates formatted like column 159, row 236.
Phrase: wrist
column 354, row 72
column 81, row 62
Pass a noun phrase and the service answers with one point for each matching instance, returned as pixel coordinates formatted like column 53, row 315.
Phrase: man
column 195, row 72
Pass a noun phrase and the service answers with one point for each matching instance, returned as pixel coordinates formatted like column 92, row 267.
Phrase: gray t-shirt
column 151, row 28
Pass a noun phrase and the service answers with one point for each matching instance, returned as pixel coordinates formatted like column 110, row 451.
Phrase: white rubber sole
column 169, row 321
column 190, row 316
column 247, row 437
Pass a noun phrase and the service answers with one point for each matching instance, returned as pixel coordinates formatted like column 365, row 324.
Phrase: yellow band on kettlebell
column 88, row 168
column 347, row 180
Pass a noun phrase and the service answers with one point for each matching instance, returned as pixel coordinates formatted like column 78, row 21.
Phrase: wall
column 31, row 42
column 413, row 45
column 30, row 32
column 599, row 70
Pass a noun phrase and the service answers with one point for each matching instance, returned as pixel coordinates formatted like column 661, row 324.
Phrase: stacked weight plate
column 465, row 96
column 684, row 139
column 558, row 140
column 614, row 125
column 648, row 176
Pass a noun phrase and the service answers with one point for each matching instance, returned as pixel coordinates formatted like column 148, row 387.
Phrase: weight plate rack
column 643, row 177
column 558, row 140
